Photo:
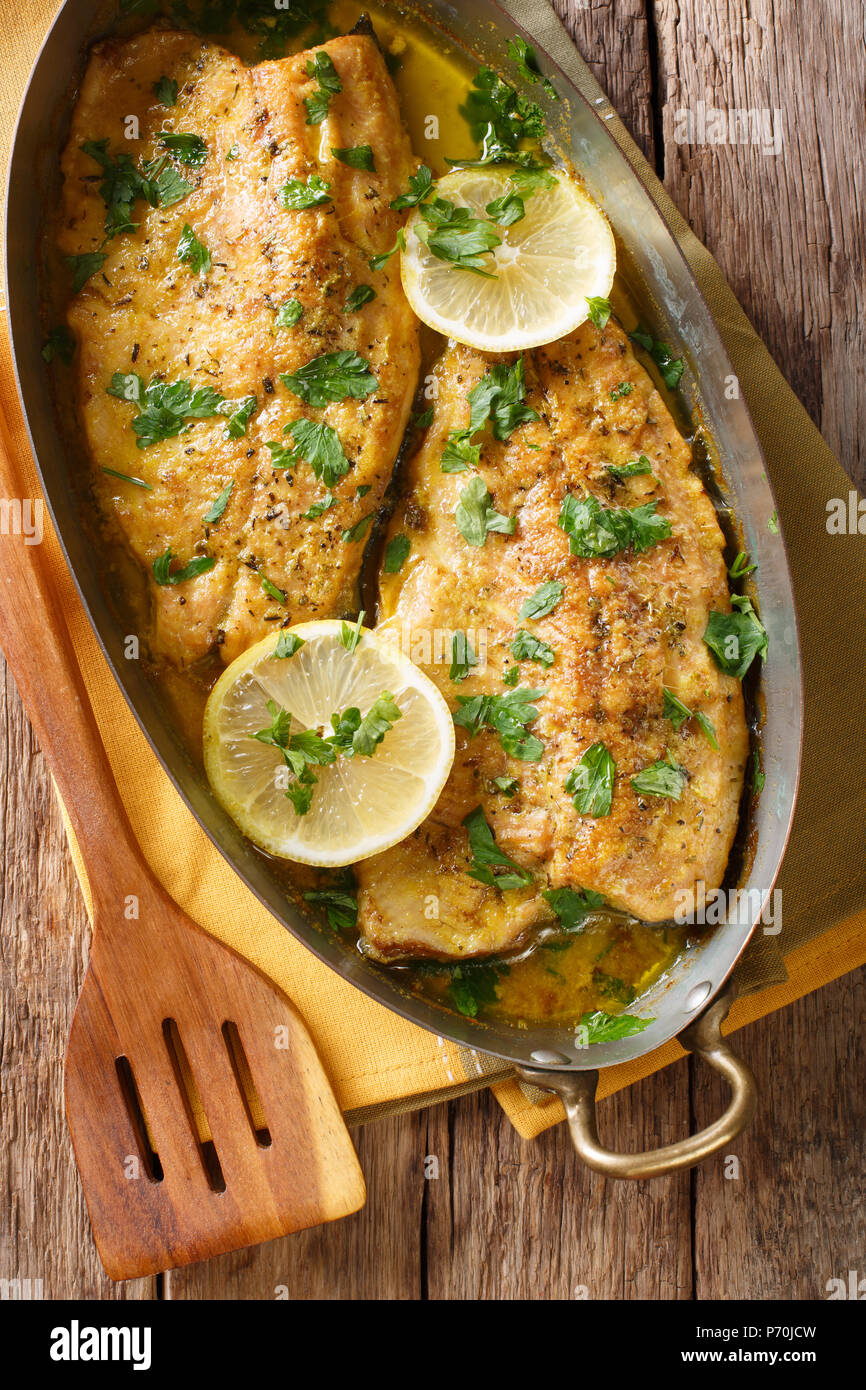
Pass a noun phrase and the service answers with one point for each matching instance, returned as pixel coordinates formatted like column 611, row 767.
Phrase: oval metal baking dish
column 689, row 1002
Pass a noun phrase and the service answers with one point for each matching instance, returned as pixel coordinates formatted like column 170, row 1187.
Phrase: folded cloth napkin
column 379, row 1063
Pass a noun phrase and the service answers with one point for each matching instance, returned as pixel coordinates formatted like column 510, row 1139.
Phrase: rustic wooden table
column 507, row 1219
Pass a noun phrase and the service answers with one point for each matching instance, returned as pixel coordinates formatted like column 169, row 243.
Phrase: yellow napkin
column 377, row 1062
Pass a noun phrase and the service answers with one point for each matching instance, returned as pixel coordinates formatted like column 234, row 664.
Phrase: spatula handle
column 39, row 654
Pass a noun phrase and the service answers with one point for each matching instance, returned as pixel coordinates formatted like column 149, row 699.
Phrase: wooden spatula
column 201, row 1118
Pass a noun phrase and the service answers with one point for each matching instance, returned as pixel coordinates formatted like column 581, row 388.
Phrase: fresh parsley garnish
column 239, row 413
column 476, row 516
column 460, row 455
column 601, row 1027
column 297, row 196
column 487, row 856
column 509, row 715
column 165, row 408
column 163, row 574
column 288, row 644
column 601, row 532
column 379, row 262
column 759, row 779
column 357, row 532
column 321, row 67
column 320, row 446
column 341, row 907
column 507, row 210
column 354, row 735
column 590, row 783
column 218, row 506
column 424, row 420
column 572, row 907
column 635, row 469
column 84, row 266
column 319, row 508
column 333, row 377
column 165, row 90
column 500, row 397
column 452, row 234
column 396, row 554
column 122, row 186
column 741, row 566
column 507, row 785
column 526, row 58
column 270, row 588
column 543, row 601
column 678, row 714
column 500, row 118
column 350, row 636
column 193, row 252
column 473, row 984
column 289, row 314
column 360, row 296
column 420, row 188
column 60, row 343
column 735, row 639
column 463, row 657
column 619, row 392
column 599, row 311
column 187, row 148
column 356, row 157
column 670, row 367
column 525, row 647
column 127, row 478
column 661, row 779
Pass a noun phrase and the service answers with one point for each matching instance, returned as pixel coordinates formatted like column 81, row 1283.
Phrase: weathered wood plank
column 376, row 1254
column 796, row 1214
column 44, row 1231
column 509, row 1219
column 614, row 37
column 786, row 228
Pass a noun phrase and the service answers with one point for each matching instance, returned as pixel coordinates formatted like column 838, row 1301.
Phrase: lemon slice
column 360, row 805
column 548, row 264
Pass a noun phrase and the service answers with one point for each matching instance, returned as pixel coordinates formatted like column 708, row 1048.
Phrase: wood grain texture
column 504, row 1218
column 787, row 229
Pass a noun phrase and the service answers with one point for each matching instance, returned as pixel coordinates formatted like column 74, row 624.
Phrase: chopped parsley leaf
column 321, row 67
column 193, row 252
column 165, row 90
column 396, row 554
column 288, row 644
column 509, row 715
column 735, row 639
column 334, row 376
column 360, row 296
column 163, row 575
column 572, row 907
column 590, row 783
column 187, row 148
column 670, row 367
column 600, row 1027
column 452, row 234
column 356, row 157
column 660, row 779
column 486, row 856
column 420, row 187
column 543, row 601
column 320, row 446
column 601, row 532
column 476, row 516
column 289, row 314
column 297, row 196
column 462, row 657
column 218, row 506
column 525, row 647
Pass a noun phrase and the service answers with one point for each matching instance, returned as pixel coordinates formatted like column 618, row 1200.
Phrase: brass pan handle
column 577, row 1089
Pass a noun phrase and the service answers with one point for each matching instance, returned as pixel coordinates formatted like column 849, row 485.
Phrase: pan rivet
column 696, row 996
column 549, row 1059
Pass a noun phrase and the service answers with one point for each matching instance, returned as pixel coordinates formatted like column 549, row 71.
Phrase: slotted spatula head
column 201, row 1118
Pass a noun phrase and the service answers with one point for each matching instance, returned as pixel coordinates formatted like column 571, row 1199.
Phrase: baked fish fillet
column 624, row 629
column 146, row 311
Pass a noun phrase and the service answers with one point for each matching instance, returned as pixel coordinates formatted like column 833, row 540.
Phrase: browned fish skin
column 149, row 313
column 625, row 628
